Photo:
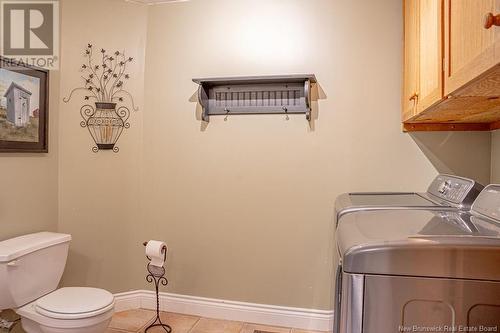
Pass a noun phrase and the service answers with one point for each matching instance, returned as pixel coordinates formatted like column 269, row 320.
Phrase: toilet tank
column 31, row 266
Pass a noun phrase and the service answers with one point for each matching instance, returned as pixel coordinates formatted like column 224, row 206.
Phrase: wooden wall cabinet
column 410, row 59
column 451, row 65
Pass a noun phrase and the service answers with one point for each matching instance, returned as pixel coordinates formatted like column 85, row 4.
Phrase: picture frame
column 24, row 108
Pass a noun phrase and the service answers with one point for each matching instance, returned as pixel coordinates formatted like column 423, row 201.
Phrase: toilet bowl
column 31, row 267
column 75, row 310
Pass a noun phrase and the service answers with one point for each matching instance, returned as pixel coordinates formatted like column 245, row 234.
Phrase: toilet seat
column 75, row 303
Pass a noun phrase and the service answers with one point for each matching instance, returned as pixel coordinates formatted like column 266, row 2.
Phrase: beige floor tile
column 205, row 325
column 305, row 331
column 180, row 323
column 131, row 320
column 18, row 328
column 250, row 328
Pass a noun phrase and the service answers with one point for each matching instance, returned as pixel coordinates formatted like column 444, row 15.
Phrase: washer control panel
column 445, row 187
column 456, row 190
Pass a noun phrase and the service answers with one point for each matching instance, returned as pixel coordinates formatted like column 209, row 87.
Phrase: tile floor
column 135, row 321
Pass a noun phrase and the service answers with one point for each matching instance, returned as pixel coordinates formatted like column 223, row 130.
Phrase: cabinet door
column 430, row 86
column 496, row 33
column 410, row 64
column 469, row 46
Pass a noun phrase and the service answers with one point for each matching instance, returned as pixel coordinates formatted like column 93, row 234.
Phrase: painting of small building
column 18, row 105
column 21, row 108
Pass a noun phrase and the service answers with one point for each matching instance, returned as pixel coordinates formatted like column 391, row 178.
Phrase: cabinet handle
column 491, row 20
column 414, row 98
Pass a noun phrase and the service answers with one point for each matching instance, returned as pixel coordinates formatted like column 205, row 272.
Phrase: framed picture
column 23, row 107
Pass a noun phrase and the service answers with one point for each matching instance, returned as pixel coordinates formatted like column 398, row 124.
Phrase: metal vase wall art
column 103, row 83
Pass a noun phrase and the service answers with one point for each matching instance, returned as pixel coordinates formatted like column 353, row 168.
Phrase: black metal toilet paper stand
column 157, row 275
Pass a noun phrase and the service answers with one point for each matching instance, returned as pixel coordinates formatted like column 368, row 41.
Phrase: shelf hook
column 286, row 112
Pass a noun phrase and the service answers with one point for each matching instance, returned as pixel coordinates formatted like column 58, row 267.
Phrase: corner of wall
column 495, row 157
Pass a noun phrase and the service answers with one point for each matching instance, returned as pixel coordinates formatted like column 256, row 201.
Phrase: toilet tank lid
column 14, row 248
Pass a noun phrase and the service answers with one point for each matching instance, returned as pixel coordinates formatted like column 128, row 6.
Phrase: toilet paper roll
column 154, row 251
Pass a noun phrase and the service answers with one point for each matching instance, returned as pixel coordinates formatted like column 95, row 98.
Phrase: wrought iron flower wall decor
column 103, row 82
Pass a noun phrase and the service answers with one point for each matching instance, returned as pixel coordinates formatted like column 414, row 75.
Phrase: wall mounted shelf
column 278, row 94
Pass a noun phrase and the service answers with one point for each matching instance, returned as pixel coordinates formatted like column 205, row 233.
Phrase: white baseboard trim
column 308, row 319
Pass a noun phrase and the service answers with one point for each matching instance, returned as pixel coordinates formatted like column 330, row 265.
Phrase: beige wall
column 99, row 193
column 28, row 182
column 495, row 157
column 461, row 153
column 245, row 205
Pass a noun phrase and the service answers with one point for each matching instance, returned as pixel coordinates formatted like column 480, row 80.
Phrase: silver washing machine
column 450, row 192
column 418, row 270
column 446, row 192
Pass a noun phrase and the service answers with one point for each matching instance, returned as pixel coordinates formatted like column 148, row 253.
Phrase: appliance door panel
column 408, row 304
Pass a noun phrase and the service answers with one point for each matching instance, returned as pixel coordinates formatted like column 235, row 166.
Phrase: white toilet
column 31, row 267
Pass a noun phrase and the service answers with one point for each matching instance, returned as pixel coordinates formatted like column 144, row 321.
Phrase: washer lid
column 420, row 243
column 75, row 303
